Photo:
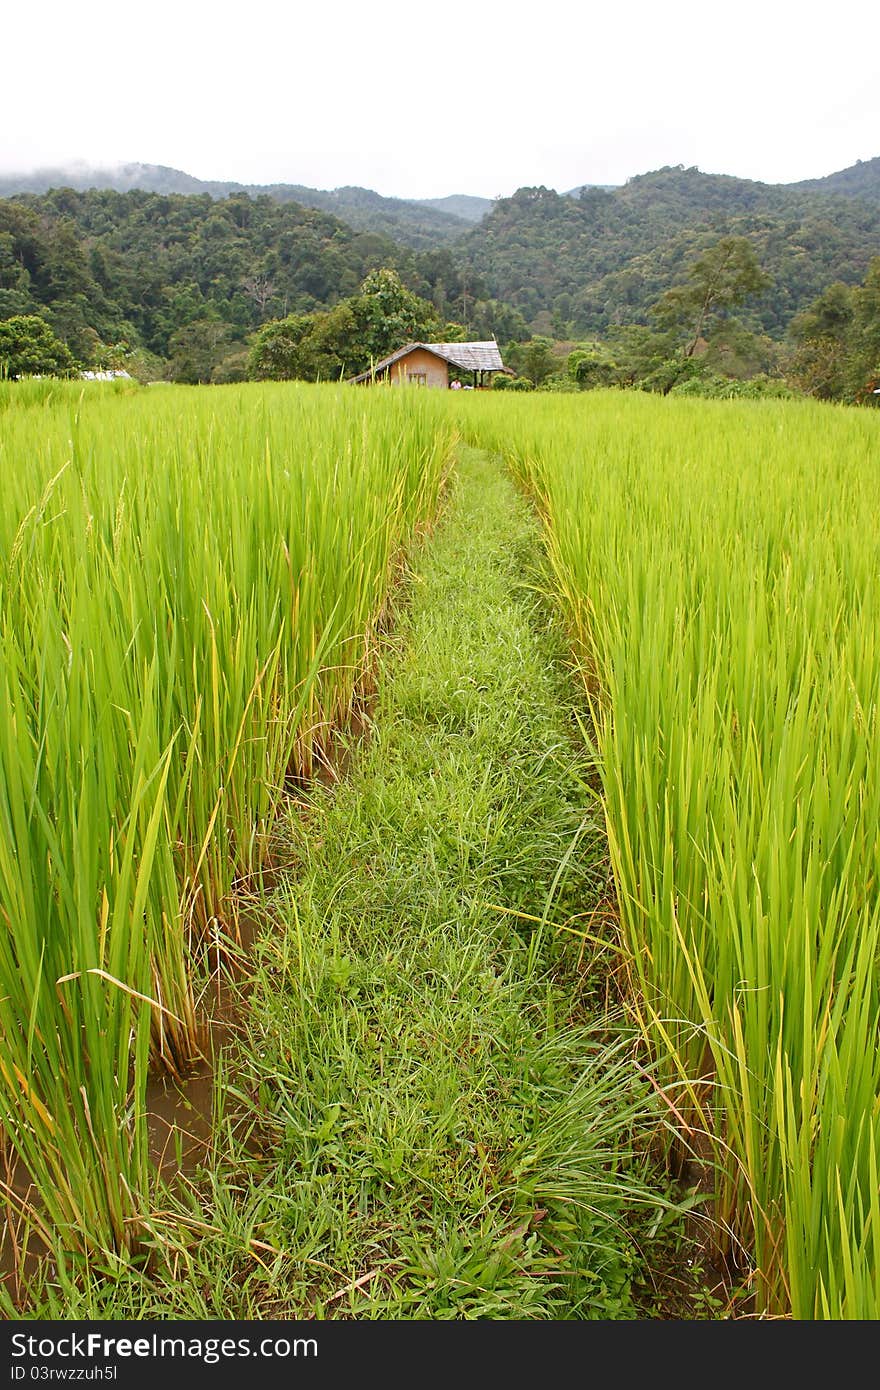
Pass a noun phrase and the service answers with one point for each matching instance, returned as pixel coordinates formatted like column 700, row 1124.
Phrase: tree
column 275, row 353
column 231, row 369
column 389, row 315
column 593, row 365
column 829, row 316
column 333, row 347
column 344, row 340
column 723, row 277
column 493, row 319
column 837, row 342
column 28, row 347
column 197, row 348
column 639, row 351
column 868, row 317
column 737, row 352
column 261, row 290
column 819, row 368
column 309, row 347
column 535, row 359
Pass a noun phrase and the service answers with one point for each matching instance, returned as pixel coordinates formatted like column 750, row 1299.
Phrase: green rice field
column 719, row 567
column 188, row 590
column 193, row 583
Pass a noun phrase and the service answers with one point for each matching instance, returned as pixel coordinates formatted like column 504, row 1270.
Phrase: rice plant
column 189, row 582
column 718, row 566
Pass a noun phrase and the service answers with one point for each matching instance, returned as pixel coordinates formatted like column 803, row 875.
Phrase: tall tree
column 390, row 315
column 261, row 290
column 723, row 277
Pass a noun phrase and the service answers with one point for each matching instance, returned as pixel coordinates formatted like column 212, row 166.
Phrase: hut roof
column 470, row 357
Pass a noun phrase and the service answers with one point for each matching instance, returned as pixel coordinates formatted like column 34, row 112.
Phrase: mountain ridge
column 147, row 263
column 587, row 264
column 856, row 180
column 419, row 224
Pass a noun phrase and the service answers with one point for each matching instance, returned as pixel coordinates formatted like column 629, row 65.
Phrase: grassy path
column 442, row 1135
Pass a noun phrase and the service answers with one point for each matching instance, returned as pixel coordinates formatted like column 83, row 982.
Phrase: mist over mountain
column 419, row 224
column 860, row 180
column 154, row 178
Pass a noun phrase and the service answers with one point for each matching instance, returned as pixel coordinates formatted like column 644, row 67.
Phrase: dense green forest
column 420, row 225
column 405, row 219
column 582, row 265
column 180, row 284
column 186, row 279
column 103, row 266
column 344, row 340
column 860, row 180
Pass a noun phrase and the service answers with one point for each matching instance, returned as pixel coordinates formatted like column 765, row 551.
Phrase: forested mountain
column 180, row 275
column 138, row 266
column 582, row 265
column 860, row 180
column 420, row 225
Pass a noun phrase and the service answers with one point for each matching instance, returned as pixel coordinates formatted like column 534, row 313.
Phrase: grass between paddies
column 445, row 1116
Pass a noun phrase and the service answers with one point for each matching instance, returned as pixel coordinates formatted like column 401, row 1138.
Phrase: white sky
column 421, row 99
